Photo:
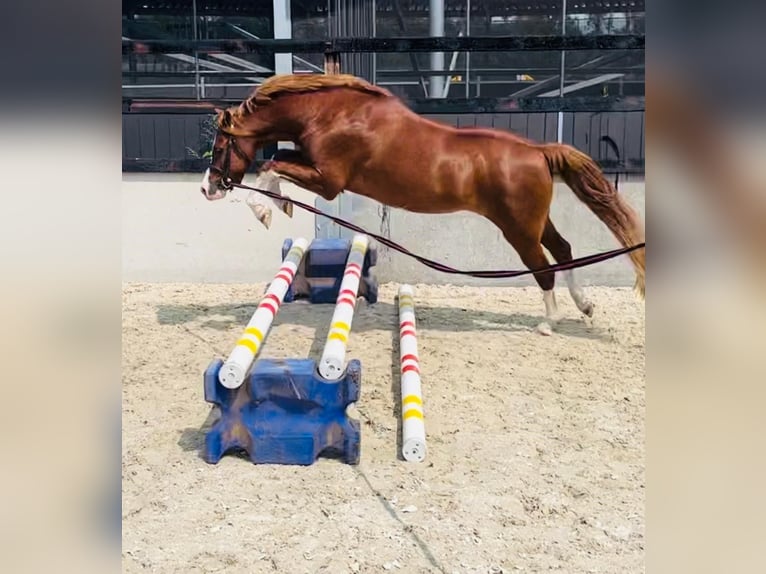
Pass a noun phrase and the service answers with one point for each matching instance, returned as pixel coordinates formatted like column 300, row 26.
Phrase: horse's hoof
column 544, row 328
column 588, row 309
column 261, row 212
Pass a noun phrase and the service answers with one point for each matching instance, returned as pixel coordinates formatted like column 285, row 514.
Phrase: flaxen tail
column 588, row 183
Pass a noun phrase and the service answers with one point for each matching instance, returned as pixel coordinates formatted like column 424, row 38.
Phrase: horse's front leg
column 292, row 166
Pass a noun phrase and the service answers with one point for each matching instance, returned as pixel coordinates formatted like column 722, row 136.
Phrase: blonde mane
column 301, row 83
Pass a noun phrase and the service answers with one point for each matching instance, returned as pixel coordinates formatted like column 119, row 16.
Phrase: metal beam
column 350, row 45
column 436, row 29
column 523, row 92
column 452, row 66
column 212, row 65
column 248, row 65
column 580, row 85
column 283, row 30
column 513, row 72
column 403, row 28
column 453, row 8
column 529, row 105
column 562, row 75
column 283, row 63
column 431, row 106
column 296, row 59
column 198, row 165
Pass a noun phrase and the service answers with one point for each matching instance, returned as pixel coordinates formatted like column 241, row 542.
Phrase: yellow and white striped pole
column 413, row 425
column 233, row 371
column 333, row 360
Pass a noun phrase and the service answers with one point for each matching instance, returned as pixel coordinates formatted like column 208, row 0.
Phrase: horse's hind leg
column 522, row 218
column 562, row 252
column 532, row 255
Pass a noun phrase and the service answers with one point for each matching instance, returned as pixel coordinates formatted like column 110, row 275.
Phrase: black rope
column 498, row 274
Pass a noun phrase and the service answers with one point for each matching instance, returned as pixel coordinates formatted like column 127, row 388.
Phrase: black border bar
column 419, row 44
column 593, row 104
column 199, row 165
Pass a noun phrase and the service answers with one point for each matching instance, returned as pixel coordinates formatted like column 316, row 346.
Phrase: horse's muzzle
column 214, row 189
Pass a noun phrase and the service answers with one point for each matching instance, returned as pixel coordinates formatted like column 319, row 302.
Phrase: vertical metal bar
column 358, row 33
column 560, row 135
column 436, row 29
column 132, row 58
column 332, row 65
column 325, row 228
column 283, row 29
column 452, row 65
column 468, row 53
column 374, row 35
column 196, row 52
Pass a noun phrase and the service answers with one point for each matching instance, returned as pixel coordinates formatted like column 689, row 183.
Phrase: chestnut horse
column 356, row 136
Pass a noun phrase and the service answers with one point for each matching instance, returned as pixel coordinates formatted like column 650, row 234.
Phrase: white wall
column 172, row 233
column 467, row 241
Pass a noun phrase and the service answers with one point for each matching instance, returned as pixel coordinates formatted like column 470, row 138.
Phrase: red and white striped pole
column 413, row 425
column 233, row 371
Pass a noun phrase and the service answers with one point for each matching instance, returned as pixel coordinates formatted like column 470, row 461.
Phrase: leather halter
column 231, row 145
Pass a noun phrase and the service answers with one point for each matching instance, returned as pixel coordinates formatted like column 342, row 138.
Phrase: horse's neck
column 284, row 122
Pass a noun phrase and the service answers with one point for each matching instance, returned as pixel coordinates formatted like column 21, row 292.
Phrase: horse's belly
column 418, row 200
column 405, row 193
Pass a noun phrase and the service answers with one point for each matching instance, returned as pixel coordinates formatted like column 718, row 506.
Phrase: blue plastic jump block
column 284, row 413
column 321, row 272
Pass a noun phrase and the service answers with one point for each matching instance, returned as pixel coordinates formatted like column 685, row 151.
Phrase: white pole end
column 331, row 368
column 414, row 450
column 231, row 375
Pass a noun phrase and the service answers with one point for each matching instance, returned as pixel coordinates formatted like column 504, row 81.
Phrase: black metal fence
column 163, row 141
column 176, row 135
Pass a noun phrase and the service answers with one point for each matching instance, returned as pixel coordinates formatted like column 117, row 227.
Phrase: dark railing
column 312, row 8
column 347, row 45
column 167, row 138
column 592, row 104
column 197, row 165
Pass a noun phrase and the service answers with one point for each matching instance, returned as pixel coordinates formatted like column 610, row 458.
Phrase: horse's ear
column 219, row 116
column 224, row 117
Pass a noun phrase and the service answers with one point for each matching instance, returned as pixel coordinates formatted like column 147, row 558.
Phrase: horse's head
column 233, row 151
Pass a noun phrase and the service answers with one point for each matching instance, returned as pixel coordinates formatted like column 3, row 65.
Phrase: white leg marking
column 551, row 312
column 261, row 211
column 271, row 182
column 578, row 296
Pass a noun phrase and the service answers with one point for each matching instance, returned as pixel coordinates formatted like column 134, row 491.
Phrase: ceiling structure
column 519, row 75
column 452, row 8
